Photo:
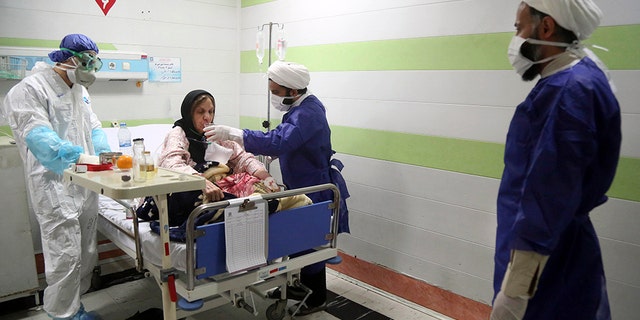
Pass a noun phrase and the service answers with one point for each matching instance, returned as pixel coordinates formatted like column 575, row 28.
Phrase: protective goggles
column 88, row 61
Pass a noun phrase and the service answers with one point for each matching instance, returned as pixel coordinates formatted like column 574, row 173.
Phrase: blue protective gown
column 302, row 143
column 560, row 158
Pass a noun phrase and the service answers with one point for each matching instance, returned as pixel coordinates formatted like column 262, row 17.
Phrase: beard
column 531, row 73
column 531, row 52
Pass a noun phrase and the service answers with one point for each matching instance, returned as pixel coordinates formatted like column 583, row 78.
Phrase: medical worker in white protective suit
column 54, row 126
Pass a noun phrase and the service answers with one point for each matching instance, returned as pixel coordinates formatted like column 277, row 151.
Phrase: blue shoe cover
column 89, row 316
column 82, row 315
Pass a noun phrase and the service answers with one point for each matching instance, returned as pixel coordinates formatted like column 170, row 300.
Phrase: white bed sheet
column 150, row 242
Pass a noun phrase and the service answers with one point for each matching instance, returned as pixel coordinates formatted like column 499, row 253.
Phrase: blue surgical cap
column 75, row 42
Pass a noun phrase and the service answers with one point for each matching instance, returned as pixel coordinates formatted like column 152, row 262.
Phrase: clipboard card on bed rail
column 288, row 232
column 245, row 229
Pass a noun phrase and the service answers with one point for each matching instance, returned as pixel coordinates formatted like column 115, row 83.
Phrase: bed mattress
column 289, row 232
column 111, row 212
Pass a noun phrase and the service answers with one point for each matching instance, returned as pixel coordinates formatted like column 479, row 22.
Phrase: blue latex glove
column 54, row 153
column 100, row 142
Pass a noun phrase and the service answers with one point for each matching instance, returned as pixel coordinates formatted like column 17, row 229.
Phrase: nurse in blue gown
column 302, row 143
column 560, row 159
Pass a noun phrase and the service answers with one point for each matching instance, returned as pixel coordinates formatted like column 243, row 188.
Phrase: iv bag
column 281, row 48
column 260, row 46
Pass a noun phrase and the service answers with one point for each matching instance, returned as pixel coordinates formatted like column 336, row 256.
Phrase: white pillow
column 153, row 135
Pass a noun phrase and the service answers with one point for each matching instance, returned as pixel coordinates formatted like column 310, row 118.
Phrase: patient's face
column 203, row 114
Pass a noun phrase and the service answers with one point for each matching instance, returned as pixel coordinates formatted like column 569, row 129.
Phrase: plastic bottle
column 139, row 162
column 151, row 168
column 124, row 139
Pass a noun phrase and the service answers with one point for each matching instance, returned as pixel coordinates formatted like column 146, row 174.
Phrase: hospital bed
column 194, row 276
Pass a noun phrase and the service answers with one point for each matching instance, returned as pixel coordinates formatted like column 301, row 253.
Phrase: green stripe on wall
column 460, row 52
column 6, row 131
column 626, row 184
column 457, row 155
column 42, row 43
column 465, row 156
column 248, row 3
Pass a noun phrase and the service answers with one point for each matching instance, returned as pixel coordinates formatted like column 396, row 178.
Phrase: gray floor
column 123, row 300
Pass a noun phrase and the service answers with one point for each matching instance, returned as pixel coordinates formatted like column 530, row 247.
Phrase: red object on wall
column 105, row 5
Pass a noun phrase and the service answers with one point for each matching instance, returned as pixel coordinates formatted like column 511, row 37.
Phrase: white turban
column 289, row 74
column 580, row 16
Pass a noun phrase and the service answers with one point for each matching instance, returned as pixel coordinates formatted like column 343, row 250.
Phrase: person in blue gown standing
column 302, row 143
column 560, row 159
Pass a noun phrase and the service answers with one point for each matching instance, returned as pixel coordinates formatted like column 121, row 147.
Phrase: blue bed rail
column 289, row 231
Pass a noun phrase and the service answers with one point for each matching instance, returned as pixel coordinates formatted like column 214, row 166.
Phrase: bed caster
column 190, row 306
column 277, row 310
column 335, row 260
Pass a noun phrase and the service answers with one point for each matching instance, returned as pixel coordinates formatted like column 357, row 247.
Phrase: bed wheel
column 277, row 310
column 335, row 260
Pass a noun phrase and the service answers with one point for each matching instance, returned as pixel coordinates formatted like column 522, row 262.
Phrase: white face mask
column 279, row 103
column 521, row 63
column 81, row 77
column 85, row 78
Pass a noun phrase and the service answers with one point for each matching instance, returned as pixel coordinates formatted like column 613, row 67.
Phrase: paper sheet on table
column 245, row 235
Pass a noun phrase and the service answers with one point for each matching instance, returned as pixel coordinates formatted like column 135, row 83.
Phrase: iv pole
column 281, row 47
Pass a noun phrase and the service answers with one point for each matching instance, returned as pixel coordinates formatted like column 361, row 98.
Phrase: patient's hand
column 212, row 192
column 271, row 183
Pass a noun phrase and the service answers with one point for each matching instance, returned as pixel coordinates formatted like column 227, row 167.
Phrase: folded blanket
column 181, row 204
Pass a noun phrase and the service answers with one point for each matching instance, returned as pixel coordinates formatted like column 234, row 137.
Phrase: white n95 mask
column 81, row 77
column 521, row 63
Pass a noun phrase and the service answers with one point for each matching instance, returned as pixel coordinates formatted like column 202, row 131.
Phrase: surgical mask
column 521, row 63
column 281, row 103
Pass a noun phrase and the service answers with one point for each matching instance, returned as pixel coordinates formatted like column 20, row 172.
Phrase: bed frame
column 206, row 284
column 198, row 280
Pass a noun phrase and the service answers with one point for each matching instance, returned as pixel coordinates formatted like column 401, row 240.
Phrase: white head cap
column 580, row 16
column 289, row 74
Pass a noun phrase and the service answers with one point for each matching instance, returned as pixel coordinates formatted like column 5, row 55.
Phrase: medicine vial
column 151, row 168
column 139, row 162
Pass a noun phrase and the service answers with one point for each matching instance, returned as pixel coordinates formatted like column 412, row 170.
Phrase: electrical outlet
column 115, row 124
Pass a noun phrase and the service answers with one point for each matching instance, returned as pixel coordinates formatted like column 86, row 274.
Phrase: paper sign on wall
column 165, row 70
column 105, row 5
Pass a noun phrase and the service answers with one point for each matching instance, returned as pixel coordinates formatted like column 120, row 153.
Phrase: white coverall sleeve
column 25, row 106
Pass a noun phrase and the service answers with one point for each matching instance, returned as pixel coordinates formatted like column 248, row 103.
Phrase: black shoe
column 293, row 293
column 304, row 310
